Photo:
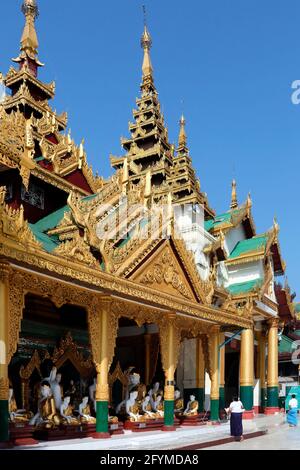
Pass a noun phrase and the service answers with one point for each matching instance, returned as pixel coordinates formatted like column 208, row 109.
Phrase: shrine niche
column 68, row 351
column 118, row 385
column 26, row 374
column 66, row 355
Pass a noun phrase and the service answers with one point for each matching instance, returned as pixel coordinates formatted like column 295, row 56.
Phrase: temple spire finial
column 182, row 140
column 234, row 201
column 29, row 41
column 146, row 43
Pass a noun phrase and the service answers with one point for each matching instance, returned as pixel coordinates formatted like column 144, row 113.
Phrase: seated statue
column 192, row 407
column 159, row 406
column 66, row 411
column 132, row 408
column 85, row 412
column 147, row 408
column 178, row 403
column 153, row 393
column 47, row 415
column 15, row 415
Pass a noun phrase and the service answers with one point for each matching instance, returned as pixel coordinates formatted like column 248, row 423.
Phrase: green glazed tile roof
column 244, row 287
column 220, row 219
column 247, row 246
column 286, row 345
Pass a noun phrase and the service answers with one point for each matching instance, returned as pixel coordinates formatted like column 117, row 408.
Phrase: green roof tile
column 252, row 244
column 220, row 219
column 244, row 287
column 52, row 220
column 286, row 345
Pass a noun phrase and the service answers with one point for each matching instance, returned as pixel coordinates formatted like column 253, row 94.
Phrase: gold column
column 261, row 365
column 247, row 370
column 215, row 385
column 170, row 371
column 147, row 338
column 222, row 360
column 272, row 373
column 200, row 365
column 102, row 388
column 4, row 382
column 4, row 271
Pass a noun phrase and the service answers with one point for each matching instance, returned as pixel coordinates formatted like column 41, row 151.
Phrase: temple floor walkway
column 158, row 440
column 280, row 437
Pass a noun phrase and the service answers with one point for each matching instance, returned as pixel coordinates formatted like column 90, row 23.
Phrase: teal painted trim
column 272, row 401
column 169, row 412
column 4, row 432
column 222, row 398
column 102, row 417
column 263, row 397
column 246, row 395
column 214, row 410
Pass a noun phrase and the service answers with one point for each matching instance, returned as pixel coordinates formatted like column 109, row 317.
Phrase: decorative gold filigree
column 13, row 225
column 165, row 271
column 4, row 386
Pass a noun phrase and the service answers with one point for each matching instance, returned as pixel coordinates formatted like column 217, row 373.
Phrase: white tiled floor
column 158, row 440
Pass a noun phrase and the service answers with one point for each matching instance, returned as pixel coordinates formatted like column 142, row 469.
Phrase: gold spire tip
column 234, row 201
column 29, row 7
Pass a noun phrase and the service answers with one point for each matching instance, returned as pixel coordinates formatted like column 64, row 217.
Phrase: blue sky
column 231, row 61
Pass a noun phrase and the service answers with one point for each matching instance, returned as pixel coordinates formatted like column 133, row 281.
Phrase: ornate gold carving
column 4, row 386
column 119, row 375
column 68, row 350
column 169, row 392
column 79, row 250
column 164, row 336
column 206, row 353
column 165, row 271
column 13, row 225
column 34, row 363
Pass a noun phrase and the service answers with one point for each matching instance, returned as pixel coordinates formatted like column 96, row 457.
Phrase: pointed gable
column 164, row 271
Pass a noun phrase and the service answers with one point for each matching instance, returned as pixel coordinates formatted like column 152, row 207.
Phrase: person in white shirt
column 236, row 409
column 292, row 416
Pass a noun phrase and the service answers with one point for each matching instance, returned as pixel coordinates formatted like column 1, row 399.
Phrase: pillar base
column 169, row 428
column 101, row 435
column 214, row 410
column 248, row 414
column 271, row 410
column 256, row 410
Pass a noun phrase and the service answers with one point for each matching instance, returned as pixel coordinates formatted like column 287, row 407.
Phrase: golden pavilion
column 124, row 288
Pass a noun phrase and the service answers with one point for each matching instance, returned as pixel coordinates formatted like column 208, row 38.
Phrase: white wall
column 239, row 273
column 234, row 236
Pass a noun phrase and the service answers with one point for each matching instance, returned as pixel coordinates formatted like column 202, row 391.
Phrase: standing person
column 292, row 416
column 236, row 409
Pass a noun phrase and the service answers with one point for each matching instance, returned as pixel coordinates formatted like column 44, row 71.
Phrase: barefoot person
column 236, row 409
column 292, row 416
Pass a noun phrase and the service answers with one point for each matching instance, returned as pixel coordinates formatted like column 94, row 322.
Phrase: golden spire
column 182, row 134
column 146, row 43
column 29, row 40
column 234, row 201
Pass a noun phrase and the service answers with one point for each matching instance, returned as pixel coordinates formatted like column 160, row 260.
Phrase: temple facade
column 124, row 302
